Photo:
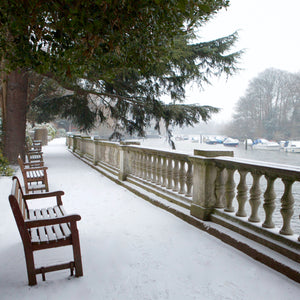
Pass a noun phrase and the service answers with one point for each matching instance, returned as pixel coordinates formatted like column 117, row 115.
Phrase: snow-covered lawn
column 130, row 248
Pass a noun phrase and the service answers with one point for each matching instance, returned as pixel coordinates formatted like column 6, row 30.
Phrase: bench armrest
column 52, row 221
column 34, row 151
column 34, row 164
column 56, row 194
column 35, row 168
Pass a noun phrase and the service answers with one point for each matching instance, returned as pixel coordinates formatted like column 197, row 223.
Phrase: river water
column 291, row 160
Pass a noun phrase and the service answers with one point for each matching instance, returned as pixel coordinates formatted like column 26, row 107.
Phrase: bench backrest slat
column 20, row 209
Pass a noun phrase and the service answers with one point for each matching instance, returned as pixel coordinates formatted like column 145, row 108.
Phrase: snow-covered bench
column 34, row 176
column 45, row 228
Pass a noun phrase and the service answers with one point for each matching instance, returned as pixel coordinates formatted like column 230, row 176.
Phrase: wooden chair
column 45, row 228
column 35, row 157
column 35, row 177
column 36, row 146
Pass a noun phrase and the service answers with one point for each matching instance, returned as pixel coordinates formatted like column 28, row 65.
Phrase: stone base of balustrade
column 201, row 213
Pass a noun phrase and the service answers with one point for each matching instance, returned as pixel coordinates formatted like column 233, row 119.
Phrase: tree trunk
column 14, row 106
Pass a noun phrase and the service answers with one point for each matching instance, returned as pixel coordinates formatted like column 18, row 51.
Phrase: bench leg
column 30, row 266
column 76, row 250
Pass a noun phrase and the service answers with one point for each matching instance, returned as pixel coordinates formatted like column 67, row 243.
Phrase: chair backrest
column 37, row 145
column 21, row 163
column 19, row 208
column 17, row 193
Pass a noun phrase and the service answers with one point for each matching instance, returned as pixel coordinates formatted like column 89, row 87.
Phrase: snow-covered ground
column 130, row 248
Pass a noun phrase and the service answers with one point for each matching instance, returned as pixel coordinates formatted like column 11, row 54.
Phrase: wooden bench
column 35, row 146
column 34, row 153
column 45, row 228
column 35, row 177
column 35, row 157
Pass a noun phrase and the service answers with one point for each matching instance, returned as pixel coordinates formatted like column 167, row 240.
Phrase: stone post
column 204, row 198
column 41, row 134
column 204, row 182
column 125, row 158
column 75, row 137
column 124, row 163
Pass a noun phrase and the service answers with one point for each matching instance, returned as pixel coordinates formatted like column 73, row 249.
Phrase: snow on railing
column 254, row 192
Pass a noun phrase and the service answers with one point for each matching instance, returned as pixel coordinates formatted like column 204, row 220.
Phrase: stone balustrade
column 213, row 186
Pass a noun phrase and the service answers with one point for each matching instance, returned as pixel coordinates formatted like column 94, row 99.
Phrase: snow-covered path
column 130, row 248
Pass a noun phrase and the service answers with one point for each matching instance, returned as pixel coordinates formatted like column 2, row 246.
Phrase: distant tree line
column 270, row 107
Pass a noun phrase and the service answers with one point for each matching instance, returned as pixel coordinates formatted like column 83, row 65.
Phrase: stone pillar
column 41, row 134
column 96, row 152
column 204, row 198
column 125, row 159
column 204, row 182
column 124, row 163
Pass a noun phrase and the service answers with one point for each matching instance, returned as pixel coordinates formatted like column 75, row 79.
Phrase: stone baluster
column 134, row 156
column 107, row 153
column 111, row 151
column 189, row 179
column 154, row 169
column 182, row 177
column 164, row 172
column 158, row 170
column 117, row 156
column 139, row 164
column 255, row 201
column 104, row 153
column 111, row 155
column 287, row 207
column 242, row 196
column 269, row 202
column 176, row 176
column 220, row 188
column 169, row 173
column 149, row 166
column 143, row 166
column 229, row 190
column 95, row 153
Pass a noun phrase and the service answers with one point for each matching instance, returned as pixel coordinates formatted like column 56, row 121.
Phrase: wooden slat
column 49, row 229
column 42, row 234
column 57, row 230
column 31, row 214
column 44, row 213
column 50, row 233
column 34, row 235
column 62, row 209
column 51, row 212
column 65, row 227
column 33, row 231
column 38, row 214
column 58, row 211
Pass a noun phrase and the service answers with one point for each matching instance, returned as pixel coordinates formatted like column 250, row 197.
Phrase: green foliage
column 114, row 59
column 5, row 169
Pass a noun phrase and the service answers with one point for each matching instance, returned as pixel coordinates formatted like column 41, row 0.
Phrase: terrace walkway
column 130, row 248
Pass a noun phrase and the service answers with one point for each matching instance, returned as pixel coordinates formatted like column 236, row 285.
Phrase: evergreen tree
column 115, row 56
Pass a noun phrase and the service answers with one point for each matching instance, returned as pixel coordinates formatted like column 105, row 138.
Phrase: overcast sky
column 268, row 32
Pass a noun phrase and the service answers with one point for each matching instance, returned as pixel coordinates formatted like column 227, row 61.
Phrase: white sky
column 268, row 33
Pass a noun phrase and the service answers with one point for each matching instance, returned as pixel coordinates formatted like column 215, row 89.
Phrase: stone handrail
column 222, row 188
column 239, row 189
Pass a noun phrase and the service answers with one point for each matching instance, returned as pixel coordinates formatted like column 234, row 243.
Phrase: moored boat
column 263, row 144
column 292, row 146
column 229, row 142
